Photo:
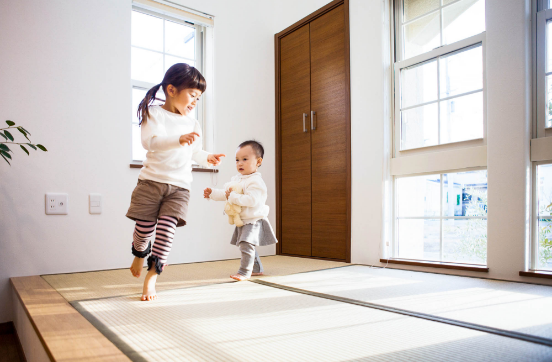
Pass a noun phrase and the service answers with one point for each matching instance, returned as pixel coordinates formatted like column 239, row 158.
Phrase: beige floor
column 112, row 283
column 245, row 321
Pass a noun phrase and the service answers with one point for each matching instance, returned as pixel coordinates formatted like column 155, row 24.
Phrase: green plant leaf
column 24, row 149
column 3, row 135
column 9, row 135
column 5, row 159
column 4, row 153
column 42, row 148
column 4, row 147
column 10, row 123
column 20, row 129
column 31, row 146
column 29, row 133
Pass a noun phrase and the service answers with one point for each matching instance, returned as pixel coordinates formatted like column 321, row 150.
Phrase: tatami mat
column 250, row 322
column 110, row 283
column 525, row 308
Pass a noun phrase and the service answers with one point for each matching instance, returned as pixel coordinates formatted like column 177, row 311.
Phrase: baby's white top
column 253, row 200
column 167, row 161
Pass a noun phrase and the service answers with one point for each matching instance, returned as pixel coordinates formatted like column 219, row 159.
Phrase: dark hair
column 182, row 76
column 257, row 147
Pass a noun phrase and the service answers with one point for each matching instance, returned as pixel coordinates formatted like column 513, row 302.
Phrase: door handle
column 313, row 126
column 304, row 122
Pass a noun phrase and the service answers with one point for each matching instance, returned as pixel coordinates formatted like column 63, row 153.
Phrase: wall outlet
column 387, row 243
column 57, row 204
column 95, row 202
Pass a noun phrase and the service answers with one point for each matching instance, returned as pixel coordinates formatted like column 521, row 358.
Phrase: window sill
column 536, row 274
column 437, row 264
column 195, row 169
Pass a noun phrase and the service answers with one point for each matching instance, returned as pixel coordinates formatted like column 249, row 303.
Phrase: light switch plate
column 57, row 203
column 95, row 202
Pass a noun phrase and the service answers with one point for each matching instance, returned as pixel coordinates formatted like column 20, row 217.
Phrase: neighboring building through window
column 442, row 217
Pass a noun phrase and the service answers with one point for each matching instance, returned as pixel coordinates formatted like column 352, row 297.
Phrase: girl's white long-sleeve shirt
column 253, row 200
column 167, row 161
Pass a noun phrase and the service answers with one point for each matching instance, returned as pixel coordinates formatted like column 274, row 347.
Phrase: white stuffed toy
column 233, row 211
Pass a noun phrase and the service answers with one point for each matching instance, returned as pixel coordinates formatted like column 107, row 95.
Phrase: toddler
column 256, row 230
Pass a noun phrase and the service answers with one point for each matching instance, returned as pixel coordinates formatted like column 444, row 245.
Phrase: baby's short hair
column 257, row 147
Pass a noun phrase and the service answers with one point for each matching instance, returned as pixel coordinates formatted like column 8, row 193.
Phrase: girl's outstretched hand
column 207, row 193
column 215, row 159
column 188, row 138
column 228, row 193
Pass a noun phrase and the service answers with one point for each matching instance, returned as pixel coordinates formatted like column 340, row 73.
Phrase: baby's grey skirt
column 258, row 234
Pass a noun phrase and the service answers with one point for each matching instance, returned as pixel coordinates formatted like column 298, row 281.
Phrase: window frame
column 401, row 63
column 395, row 217
column 543, row 17
column 199, row 64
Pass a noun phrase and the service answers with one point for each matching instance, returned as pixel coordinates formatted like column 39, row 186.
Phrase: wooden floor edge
column 47, row 311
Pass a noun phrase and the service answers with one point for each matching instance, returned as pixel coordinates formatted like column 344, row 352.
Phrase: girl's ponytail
column 180, row 75
column 143, row 111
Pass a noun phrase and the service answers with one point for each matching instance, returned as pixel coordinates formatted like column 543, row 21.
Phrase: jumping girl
column 160, row 200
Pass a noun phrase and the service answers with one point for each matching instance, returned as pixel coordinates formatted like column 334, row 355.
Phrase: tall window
column 439, row 107
column 541, row 145
column 158, row 42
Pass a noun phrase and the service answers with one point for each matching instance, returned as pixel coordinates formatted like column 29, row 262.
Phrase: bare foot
column 256, row 274
column 238, row 277
column 148, row 293
column 137, row 266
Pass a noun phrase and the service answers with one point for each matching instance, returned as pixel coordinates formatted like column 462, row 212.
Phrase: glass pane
column 462, row 118
column 146, row 66
column 415, row 8
column 147, row 31
column 170, row 61
column 422, row 35
column 545, row 245
column 548, row 110
column 419, row 127
column 138, row 152
column 137, row 96
column 465, row 193
column 419, row 84
column 462, row 20
column 548, row 46
column 544, row 189
column 418, row 196
column 465, row 241
column 179, row 40
column 418, row 239
column 461, row 72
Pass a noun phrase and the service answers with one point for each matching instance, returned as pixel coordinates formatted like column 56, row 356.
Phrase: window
column 158, row 42
column 442, row 217
column 543, row 218
column 442, row 99
column 439, row 124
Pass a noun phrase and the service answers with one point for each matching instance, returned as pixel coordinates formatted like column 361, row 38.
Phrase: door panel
column 296, row 145
column 329, row 99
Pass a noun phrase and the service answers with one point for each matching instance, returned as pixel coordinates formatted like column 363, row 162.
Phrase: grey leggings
column 250, row 260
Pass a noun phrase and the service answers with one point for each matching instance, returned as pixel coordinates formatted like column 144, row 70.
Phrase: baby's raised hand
column 207, row 193
column 228, row 193
column 215, row 159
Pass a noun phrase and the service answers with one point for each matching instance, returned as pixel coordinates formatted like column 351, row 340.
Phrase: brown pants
column 152, row 199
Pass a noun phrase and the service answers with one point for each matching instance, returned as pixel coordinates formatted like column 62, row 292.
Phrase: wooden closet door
column 329, row 99
column 296, row 145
